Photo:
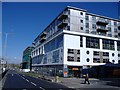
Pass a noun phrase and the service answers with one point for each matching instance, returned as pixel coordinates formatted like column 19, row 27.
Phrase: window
column 113, row 54
column 115, row 23
column 87, row 31
column 109, row 29
column 93, row 26
column 70, row 58
column 108, row 44
column 54, row 44
column 71, row 51
column 81, row 13
column 81, row 21
column 96, row 60
column 118, row 55
column 105, row 54
column 93, row 19
column 96, row 53
column 81, row 28
column 118, row 45
column 92, row 42
column 87, row 17
column 109, row 35
column 87, row 52
column 81, row 41
column 118, row 61
column 87, row 59
column 113, row 61
column 78, row 59
column 115, row 30
column 78, row 51
column 56, row 56
column 105, row 60
column 87, row 25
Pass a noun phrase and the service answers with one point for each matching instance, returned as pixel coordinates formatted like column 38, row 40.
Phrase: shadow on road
column 111, row 81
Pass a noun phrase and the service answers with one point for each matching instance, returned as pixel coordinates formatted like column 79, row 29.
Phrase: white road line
column 33, row 84
column 27, row 80
column 41, row 88
column 12, row 74
column 23, row 75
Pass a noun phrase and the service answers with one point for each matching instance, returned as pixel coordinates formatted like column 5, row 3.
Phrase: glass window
column 96, row 60
column 81, row 21
column 113, row 54
column 87, row 59
column 54, row 44
column 92, row 42
column 118, row 55
column 115, row 23
column 108, row 44
column 96, row 53
column 70, row 58
column 93, row 19
column 87, row 25
column 81, row 41
column 81, row 28
column 118, row 45
column 93, row 26
column 87, row 52
column 109, row 29
column 87, row 17
column 56, row 56
column 78, row 51
column 71, row 51
column 78, row 59
column 115, row 30
column 105, row 53
column 81, row 13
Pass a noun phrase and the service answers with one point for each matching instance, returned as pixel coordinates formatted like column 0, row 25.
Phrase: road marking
column 27, row 80
column 60, row 89
column 33, row 84
column 41, row 88
column 12, row 74
column 23, row 75
column 24, row 89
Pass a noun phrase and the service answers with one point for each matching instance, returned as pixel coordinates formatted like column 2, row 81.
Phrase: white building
column 76, row 39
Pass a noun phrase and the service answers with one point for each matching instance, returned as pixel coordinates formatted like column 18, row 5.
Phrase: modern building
column 26, row 61
column 76, row 40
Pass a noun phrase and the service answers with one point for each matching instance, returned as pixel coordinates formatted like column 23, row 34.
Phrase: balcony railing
column 63, row 24
column 43, row 39
column 43, row 34
column 63, row 16
column 119, row 26
column 102, row 29
column 102, row 21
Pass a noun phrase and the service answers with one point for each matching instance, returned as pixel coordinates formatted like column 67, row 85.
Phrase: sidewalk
column 79, row 82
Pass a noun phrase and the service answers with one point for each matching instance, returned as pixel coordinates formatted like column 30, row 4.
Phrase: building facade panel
column 76, row 40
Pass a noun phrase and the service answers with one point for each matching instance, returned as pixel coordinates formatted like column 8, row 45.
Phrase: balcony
column 102, row 29
column 119, row 26
column 119, row 34
column 43, row 34
column 43, row 39
column 63, row 24
column 102, row 22
column 63, row 16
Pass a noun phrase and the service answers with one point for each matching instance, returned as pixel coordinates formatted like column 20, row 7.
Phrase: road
column 16, row 81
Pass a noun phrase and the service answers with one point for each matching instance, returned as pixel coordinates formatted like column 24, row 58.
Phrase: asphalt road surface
column 16, row 81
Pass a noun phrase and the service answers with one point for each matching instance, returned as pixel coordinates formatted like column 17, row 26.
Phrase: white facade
column 68, row 45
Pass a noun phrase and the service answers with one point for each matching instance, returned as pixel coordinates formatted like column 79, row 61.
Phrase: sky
column 23, row 21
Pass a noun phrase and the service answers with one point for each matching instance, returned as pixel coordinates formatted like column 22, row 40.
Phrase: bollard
column 57, row 79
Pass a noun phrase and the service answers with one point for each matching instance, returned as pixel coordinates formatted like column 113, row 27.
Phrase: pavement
column 78, row 83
